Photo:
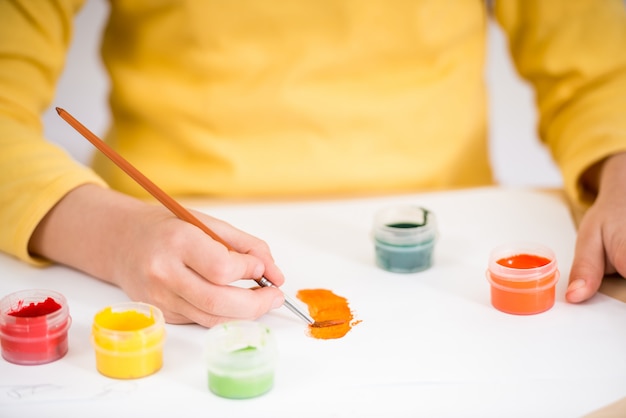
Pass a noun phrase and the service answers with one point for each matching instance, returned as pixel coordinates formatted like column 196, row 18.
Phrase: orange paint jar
column 523, row 277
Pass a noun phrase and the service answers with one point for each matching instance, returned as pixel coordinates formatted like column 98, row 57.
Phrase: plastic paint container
column 523, row 277
column 128, row 340
column 404, row 238
column 240, row 359
column 33, row 326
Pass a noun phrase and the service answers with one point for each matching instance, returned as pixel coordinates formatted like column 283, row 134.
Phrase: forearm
column 85, row 230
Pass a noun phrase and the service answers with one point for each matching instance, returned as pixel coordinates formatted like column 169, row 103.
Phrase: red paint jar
column 523, row 277
column 33, row 326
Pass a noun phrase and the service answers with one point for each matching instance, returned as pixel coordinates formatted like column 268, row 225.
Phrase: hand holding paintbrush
column 172, row 205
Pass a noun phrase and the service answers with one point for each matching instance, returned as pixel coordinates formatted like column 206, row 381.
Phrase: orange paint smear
column 324, row 305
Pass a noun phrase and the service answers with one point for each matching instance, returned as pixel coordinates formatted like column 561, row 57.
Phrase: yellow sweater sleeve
column 573, row 52
column 34, row 174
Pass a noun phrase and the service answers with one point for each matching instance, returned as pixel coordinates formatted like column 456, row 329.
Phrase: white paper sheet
column 429, row 344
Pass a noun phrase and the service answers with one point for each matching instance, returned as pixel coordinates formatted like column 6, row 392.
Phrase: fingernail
column 278, row 302
column 576, row 284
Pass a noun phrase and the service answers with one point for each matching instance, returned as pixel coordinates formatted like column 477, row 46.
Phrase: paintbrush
column 175, row 207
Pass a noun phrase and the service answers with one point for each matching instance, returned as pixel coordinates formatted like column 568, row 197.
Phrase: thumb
column 588, row 266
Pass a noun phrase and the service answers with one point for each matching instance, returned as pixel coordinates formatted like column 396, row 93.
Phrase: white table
column 430, row 344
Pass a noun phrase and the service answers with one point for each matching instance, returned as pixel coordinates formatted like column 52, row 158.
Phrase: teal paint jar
column 404, row 238
column 240, row 359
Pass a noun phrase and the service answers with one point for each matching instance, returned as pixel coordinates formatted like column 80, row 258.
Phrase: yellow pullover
column 307, row 97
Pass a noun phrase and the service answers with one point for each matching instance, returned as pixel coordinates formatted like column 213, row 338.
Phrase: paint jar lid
column 405, row 225
column 240, row 358
column 33, row 326
column 498, row 266
column 128, row 327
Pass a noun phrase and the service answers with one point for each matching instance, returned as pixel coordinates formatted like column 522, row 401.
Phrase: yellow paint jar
column 128, row 340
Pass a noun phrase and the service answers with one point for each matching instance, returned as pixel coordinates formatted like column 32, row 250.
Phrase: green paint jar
column 240, row 358
column 404, row 238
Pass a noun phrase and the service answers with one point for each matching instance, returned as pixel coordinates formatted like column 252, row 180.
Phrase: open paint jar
column 240, row 358
column 523, row 277
column 33, row 326
column 404, row 238
column 128, row 340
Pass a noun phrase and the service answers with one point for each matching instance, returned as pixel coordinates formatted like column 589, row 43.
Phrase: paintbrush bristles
column 329, row 323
